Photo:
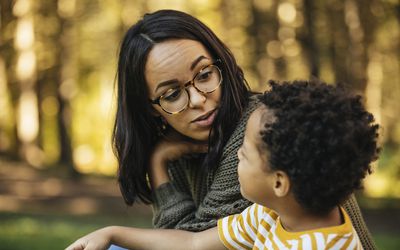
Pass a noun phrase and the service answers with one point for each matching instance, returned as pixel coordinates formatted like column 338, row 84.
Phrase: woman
column 183, row 104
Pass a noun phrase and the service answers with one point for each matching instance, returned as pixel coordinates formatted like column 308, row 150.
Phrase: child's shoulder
column 261, row 213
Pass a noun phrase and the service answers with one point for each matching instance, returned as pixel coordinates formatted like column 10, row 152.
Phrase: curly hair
column 323, row 138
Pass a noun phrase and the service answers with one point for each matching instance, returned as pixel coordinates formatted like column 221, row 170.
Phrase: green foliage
column 387, row 241
column 41, row 232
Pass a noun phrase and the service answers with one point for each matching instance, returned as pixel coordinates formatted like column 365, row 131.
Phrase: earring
column 162, row 127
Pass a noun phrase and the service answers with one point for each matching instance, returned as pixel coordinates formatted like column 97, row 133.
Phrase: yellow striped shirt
column 258, row 227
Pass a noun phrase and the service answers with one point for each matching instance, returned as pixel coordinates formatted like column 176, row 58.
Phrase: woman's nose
column 196, row 98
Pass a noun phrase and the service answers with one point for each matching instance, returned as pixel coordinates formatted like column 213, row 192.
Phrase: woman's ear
column 281, row 184
column 162, row 123
column 154, row 111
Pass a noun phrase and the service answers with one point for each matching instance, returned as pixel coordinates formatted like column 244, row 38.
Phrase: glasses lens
column 208, row 79
column 174, row 100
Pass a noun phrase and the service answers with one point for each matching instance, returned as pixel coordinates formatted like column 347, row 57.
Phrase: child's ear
column 281, row 184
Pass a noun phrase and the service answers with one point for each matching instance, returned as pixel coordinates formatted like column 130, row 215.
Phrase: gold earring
column 162, row 127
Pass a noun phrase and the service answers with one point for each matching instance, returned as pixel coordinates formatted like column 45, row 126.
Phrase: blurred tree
column 66, row 78
column 349, row 42
column 57, row 73
column 25, row 81
column 309, row 39
column 261, row 31
column 338, row 41
column 8, row 56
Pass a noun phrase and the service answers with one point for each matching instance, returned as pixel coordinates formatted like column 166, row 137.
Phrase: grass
column 387, row 241
column 52, row 231
column 30, row 231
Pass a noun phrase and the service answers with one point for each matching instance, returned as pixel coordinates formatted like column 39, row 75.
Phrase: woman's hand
column 97, row 240
column 170, row 148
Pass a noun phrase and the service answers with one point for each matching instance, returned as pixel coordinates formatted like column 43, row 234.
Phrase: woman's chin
column 201, row 136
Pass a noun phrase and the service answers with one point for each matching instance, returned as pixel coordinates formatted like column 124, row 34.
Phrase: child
column 306, row 149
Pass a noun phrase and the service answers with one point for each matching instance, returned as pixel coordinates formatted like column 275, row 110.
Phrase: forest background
column 57, row 82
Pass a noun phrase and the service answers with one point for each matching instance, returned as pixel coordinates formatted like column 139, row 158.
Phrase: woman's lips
column 206, row 120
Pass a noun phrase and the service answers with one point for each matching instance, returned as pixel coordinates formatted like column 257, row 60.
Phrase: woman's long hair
column 135, row 128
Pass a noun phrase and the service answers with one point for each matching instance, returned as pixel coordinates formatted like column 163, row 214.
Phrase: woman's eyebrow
column 173, row 81
column 195, row 62
column 165, row 83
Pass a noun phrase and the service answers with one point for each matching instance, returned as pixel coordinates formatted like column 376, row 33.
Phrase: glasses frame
column 191, row 83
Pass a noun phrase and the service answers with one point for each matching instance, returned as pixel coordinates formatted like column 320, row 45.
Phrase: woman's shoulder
column 253, row 103
column 236, row 138
column 254, row 99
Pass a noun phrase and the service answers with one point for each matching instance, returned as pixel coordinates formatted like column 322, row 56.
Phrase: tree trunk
column 25, row 75
column 66, row 75
column 8, row 55
column 309, row 40
column 339, row 41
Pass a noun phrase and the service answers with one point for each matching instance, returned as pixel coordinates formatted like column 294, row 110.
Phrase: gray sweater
column 195, row 199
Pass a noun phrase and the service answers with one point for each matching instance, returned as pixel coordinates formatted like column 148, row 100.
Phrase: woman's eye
column 204, row 76
column 172, row 95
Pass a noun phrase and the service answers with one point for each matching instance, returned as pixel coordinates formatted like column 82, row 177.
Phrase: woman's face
column 171, row 64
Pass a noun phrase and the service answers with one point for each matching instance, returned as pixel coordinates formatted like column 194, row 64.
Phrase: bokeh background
column 57, row 99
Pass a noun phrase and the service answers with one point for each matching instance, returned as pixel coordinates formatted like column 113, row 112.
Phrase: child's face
column 255, row 176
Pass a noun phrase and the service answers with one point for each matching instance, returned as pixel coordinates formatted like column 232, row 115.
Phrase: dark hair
column 135, row 128
column 323, row 138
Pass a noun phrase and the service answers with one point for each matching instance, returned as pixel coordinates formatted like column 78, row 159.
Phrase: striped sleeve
column 239, row 231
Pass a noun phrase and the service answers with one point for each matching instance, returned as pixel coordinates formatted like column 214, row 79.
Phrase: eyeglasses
column 176, row 100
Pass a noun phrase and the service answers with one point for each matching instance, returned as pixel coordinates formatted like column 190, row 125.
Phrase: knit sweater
column 195, row 199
